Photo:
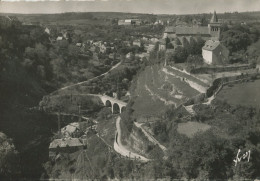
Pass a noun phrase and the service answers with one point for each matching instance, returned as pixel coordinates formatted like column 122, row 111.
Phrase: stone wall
column 196, row 86
column 209, row 70
column 217, row 86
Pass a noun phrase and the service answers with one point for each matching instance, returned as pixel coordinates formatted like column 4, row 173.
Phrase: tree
column 170, row 46
column 180, row 55
column 177, row 41
column 204, row 20
column 41, row 71
column 9, row 160
column 41, row 53
column 200, row 44
column 59, row 68
column 185, row 43
column 193, row 47
column 38, row 35
column 235, row 40
column 187, row 19
column 195, row 60
column 206, row 155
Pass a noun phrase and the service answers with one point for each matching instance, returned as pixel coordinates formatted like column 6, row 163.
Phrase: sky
column 133, row 6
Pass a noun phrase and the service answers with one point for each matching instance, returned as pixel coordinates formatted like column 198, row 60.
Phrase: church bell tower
column 214, row 27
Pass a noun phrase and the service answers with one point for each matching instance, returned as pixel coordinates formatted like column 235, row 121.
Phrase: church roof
column 192, row 30
column 170, row 29
column 211, row 45
column 214, row 18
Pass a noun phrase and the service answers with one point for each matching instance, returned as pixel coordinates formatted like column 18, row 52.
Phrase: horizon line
column 124, row 12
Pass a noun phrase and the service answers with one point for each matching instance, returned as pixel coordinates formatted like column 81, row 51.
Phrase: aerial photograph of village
column 129, row 90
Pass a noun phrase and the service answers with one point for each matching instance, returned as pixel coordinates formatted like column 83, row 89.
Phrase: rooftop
column 192, row 30
column 170, row 29
column 211, row 45
column 187, row 30
column 71, row 142
column 72, row 127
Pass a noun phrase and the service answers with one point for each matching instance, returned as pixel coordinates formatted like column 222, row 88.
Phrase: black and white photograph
column 129, row 90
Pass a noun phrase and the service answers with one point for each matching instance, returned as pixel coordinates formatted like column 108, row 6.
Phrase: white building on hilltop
column 213, row 52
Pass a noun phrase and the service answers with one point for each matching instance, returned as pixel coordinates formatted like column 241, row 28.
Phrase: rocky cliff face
column 138, row 142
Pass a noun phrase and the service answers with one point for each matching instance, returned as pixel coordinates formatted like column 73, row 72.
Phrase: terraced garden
column 159, row 87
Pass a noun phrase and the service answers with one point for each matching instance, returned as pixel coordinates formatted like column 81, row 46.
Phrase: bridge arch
column 108, row 103
column 116, row 108
column 123, row 108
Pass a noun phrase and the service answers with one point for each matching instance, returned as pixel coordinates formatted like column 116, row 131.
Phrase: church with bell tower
column 212, row 31
column 214, row 26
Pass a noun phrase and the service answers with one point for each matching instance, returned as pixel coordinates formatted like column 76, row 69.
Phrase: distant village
column 214, row 52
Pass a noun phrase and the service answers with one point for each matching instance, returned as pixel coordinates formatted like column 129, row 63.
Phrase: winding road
column 118, row 147
column 121, row 149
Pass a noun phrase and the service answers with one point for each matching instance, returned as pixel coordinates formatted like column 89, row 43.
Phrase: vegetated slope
column 29, row 130
column 157, row 89
column 20, row 89
column 246, row 94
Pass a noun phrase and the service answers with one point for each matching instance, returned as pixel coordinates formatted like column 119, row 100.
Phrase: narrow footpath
column 150, row 137
column 79, row 83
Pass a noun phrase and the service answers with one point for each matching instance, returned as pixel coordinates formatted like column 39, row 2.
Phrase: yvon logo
column 241, row 156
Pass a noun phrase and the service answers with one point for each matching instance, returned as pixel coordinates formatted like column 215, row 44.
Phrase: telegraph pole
column 79, row 111
column 59, row 132
column 117, row 87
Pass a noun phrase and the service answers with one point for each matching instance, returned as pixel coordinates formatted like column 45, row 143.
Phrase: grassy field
column 246, row 94
column 191, row 128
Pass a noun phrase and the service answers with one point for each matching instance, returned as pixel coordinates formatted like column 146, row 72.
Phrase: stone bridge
column 116, row 105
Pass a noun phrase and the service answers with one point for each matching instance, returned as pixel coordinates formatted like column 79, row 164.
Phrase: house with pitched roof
column 213, row 52
column 47, row 30
column 169, row 32
column 129, row 22
column 65, row 145
column 137, row 43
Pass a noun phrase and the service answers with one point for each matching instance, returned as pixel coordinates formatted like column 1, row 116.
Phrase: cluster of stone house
column 63, row 36
column 65, row 145
column 148, row 45
column 127, row 22
column 103, row 47
column 70, row 140
column 213, row 52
